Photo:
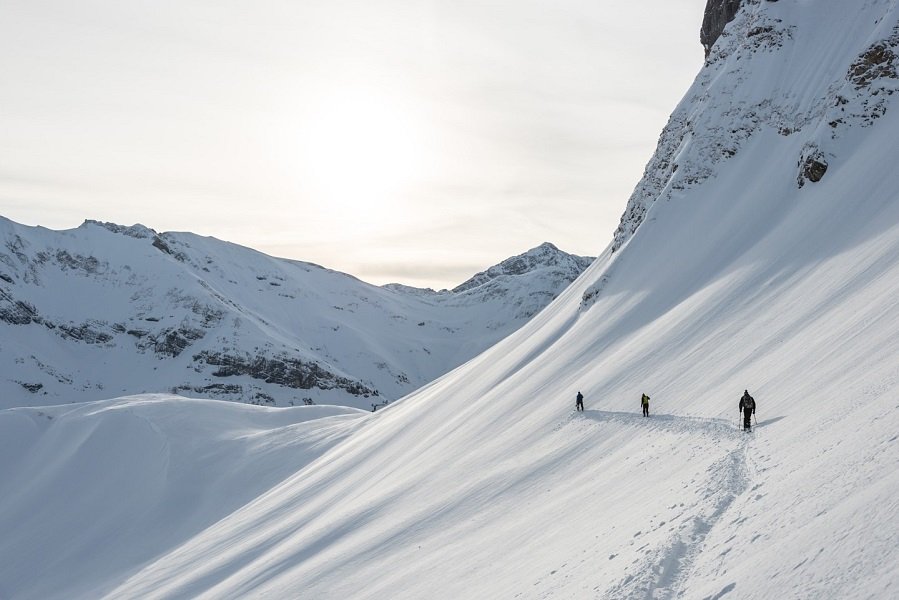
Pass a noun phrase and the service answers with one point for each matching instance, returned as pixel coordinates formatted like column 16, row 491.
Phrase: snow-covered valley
column 759, row 252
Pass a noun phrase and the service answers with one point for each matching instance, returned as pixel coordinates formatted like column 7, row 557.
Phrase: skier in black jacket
column 579, row 405
column 747, row 407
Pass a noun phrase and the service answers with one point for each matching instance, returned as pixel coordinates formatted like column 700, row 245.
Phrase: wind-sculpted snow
column 93, row 491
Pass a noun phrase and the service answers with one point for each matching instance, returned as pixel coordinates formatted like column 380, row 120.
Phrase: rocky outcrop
column 718, row 13
column 89, row 264
column 16, row 312
column 876, row 62
column 90, row 332
column 860, row 100
column 136, row 231
column 172, row 342
column 812, row 165
column 281, row 370
column 733, row 102
column 720, row 114
column 545, row 255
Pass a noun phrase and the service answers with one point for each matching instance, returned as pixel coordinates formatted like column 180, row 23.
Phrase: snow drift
column 93, row 489
column 736, row 266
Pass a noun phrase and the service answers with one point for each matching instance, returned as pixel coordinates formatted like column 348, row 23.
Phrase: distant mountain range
column 105, row 310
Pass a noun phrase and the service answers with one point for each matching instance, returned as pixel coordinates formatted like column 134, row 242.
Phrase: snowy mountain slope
column 485, row 484
column 121, row 481
column 105, row 310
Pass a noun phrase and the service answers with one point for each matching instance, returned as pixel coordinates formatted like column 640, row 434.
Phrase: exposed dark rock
column 876, row 62
column 282, row 370
column 814, row 170
column 812, row 165
column 32, row 387
column 85, row 332
column 88, row 264
column 761, row 30
column 172, row 342
column 211, row 316
column 718, row 13
column 870, row 81
column 161, row 245
column 6, row 278
column 16, row 245
column 16, row 312
column 138, row 333
column 213, row 389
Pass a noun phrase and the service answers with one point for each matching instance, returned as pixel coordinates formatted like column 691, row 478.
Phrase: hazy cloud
column 530, row 121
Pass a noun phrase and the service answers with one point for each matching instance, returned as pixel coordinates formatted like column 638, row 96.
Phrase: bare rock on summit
column 718, row 13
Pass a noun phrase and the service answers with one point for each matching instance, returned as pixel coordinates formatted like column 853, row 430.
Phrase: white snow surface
column 486, row 484
column 91, row 490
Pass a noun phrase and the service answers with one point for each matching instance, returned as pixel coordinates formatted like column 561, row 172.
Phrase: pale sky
column 397, row 140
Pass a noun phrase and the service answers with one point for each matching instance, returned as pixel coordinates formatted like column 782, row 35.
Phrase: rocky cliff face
column 718, row 13
column 813, row 105
column 109, row 310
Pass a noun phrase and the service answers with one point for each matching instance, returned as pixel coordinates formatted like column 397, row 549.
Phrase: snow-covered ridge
column 563, row 266
column 107, row 310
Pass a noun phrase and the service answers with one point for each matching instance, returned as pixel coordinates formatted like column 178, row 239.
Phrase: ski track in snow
column 666, row 569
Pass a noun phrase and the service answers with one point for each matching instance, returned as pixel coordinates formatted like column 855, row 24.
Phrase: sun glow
column 362, row 150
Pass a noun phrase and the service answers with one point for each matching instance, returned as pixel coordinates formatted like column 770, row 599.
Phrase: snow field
column 92, row 490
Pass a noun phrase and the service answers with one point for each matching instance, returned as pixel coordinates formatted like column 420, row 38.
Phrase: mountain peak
column 544, row 256
column 136, row 231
